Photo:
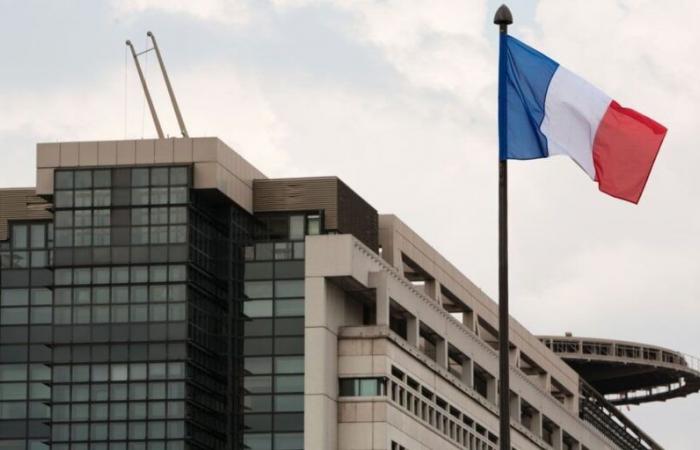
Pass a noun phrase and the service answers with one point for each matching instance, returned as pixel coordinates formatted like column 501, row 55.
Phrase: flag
column 545, row 110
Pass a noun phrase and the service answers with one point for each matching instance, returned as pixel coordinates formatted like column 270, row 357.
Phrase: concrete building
column 164, row 294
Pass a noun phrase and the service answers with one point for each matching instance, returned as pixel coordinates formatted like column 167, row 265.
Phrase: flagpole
column 503, row 18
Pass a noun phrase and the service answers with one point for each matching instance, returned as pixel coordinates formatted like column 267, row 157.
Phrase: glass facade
column 25, row 336
column 149, row 315
column 273, row 348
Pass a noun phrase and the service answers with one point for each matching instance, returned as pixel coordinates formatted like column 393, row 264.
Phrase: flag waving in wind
column 544, row 110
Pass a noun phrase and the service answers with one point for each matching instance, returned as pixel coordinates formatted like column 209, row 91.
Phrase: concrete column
column 492, row 390
column 514, row 356
column 536, row 424
column 557, row 442
column 515, row 407
column 468, row 320
column 379, row 281
column 432, row 290
column 412, row 330
column 441, row 355
column 468, row 372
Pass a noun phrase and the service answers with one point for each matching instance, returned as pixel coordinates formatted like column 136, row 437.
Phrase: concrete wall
column 216, row 166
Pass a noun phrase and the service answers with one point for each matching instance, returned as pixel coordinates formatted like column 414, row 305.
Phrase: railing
column 607, row 419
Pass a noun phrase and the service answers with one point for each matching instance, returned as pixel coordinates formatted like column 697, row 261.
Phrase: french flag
column 545, row 110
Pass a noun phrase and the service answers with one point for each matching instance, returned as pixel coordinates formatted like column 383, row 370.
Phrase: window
column 14, row 297
column 19, row 236
column 296, row 227
column 362, row 387
column 38, row 236
column 314, row 224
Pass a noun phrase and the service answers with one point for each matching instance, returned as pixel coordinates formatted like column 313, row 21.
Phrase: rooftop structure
column 165, row 294
column 629, row 373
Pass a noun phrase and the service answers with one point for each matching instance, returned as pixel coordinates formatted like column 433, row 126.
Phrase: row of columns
column 379, row 281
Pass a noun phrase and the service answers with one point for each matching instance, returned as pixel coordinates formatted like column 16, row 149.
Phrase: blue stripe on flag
column 527, row 75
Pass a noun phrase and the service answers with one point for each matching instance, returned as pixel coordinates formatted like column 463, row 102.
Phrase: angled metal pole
column 503, row 18
column 180, row 122
column 156, row 122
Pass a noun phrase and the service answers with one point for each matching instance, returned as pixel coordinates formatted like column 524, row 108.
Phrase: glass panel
column 159, row 235
column 40, row 258
column 258, row 271
column 64, row 238
column 139, row 216
column 178, row 195
column 101, row 217
column 257, row 441
column 139, row 177
column 38, row 236
column 158, row 274
column 139, row 196
column 258, row 289
column 289, row 364
column 178, row 233
column 13, row 316
column 13, row 391
column 139, row 235
column 289, row 403
column 41, row 315
column 289, row 288
column 82, row 237
column 177, row 273
column 289, row 269
column 159, row 176
column 19, row 236
column 83, row 179
column 260, row 308
column 288, row 308
column 258, row 365
column 83, row 198
column 102, row 178
column 314, row 224
column 258, row 385
column 296, row 227
column 178, row 175
column 159, row 196
column 64, row 179
column 13, row 372
column 63, row 199
column 41, row 297
column 14, row 297
column 289, row 383
column 102, row 197
column 289, row 441
column 178, row 214
column 63, row 218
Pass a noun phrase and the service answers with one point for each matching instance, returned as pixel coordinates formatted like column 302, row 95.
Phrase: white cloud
column 229, row 12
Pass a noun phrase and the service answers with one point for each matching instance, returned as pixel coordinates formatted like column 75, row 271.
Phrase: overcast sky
column 398, row 98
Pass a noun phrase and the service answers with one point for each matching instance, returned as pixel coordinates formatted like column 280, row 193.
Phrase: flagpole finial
column 503, row 16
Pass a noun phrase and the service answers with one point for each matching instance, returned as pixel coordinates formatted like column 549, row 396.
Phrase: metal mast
column 171, row 93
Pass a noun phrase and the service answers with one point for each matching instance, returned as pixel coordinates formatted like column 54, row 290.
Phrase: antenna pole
column 156, row 122
column 180, row 122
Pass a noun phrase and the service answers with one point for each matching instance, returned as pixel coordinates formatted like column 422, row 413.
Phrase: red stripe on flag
column 624, row 150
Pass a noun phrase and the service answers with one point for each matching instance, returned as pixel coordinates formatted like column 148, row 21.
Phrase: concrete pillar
column 514, row 357
column 536, row 424
column 441, row 355
column 468, row 372
column 379, row 281
column 468, row 320
column 515, row 407
column 432, row 290
column 492, row 390
column 557, row 442
column 412, row 330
